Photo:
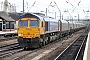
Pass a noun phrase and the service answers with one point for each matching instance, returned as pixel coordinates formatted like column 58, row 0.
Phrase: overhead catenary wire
column 32, row 5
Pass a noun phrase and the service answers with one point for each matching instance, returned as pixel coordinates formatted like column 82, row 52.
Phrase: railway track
column 9, row 53
column 33, row 52
column 73, row 50
column 41, row 51
column 9, row 47
column 6, row 50
column 17, row 54
column 20, row 55
column 7, row 38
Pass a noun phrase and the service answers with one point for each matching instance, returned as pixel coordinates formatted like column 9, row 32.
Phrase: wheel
column 46, row 42
column 24, row 48
column 43, row 43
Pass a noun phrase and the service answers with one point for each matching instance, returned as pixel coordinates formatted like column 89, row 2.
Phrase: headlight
column 19, row 34
column 36, row 34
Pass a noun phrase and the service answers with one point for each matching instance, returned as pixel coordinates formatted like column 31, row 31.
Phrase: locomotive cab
column 28, row 28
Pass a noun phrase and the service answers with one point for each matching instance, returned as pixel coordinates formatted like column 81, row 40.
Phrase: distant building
column 6, row 22
column 7, row 7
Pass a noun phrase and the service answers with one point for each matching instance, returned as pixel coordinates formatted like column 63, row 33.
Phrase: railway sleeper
column 77, row 44
column 70, row 53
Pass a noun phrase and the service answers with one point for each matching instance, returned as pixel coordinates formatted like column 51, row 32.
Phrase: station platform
column 87, row 49
column 10, row 32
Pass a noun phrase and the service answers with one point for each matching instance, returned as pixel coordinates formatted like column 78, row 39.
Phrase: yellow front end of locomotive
column 29, row 33
column 28, row 28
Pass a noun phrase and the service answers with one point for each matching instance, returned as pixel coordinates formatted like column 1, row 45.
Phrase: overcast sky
column 41, row 5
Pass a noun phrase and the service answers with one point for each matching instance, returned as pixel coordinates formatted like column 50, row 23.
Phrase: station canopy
column 5, row 16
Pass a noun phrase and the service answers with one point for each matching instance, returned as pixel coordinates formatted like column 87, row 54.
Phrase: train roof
column 40, row 17
column 70, row 21
column 64, row 21
column 29, row 15
column 76, row 22
column 46, row 18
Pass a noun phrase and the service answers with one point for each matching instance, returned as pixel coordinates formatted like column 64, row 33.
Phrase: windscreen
column 23, row 23
column 34, row 23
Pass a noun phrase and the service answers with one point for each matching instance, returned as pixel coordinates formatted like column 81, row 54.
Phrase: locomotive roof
column 29, row 15
column 46, row 18
column 41, row 17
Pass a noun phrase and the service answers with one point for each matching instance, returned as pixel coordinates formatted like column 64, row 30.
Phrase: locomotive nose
column 29, row 33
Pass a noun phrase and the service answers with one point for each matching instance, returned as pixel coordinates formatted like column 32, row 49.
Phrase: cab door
column 42, row 28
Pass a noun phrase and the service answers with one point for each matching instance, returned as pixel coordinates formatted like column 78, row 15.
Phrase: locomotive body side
column 51, row 25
